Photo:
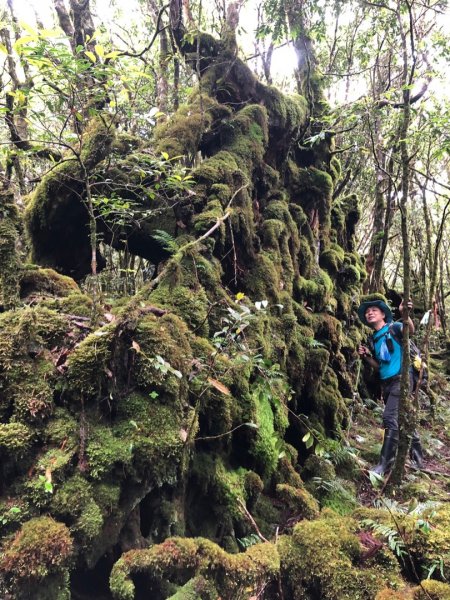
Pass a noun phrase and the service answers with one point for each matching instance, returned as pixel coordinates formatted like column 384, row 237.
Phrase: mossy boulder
column 35, row 281
column 38, row 558
column 233, row 576
column 320, row 560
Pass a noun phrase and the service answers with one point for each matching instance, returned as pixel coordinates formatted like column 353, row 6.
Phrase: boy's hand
column 363, row 350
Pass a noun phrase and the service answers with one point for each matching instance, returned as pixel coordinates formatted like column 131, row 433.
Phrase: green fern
column 249, row 540
column 167, row 241
column 392, row 537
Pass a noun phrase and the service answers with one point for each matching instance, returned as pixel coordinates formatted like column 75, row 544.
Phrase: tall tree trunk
column 407, row 412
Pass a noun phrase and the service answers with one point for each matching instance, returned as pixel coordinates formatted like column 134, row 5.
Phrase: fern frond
column 167, row 241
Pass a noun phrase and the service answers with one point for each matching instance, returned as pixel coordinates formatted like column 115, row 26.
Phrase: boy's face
column 374, row 316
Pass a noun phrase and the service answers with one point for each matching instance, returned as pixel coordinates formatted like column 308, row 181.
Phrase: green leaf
column 99, row 50
column 375, row 479
column 306, row 437
column 165, row 155
column 91, row 56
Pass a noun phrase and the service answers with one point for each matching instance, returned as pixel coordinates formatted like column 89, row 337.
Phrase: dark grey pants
column 391, row 397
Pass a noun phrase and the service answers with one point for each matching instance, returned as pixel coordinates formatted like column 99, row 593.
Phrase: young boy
column 387, row 361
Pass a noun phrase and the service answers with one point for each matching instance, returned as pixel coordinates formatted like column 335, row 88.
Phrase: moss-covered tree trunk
column 162, row 439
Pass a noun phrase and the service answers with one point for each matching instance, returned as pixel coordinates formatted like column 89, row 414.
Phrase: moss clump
column 317, row 466
column 265, row 448
column 168, row 338
column 106, row 452
column 434, row 546
column 79, row 305
column 316, row 291
column 87, row 363
column 89, row 524
column 73, row 502
column 246, row 135
column 320, row 560
column 432, row 590
column 41, row 548
column 55, row 217
column 204, row 220
column 233, row 576
column 227, row 486
column 312, row 189
column 148, row 433
column 182, row 133
column 189, row 304
column 286, row 113
column 15, row 438
column 197, row 588
column 335, row 168
column 35, row 281
column 263, row 281
column 332, row 259
column 298, row 501
column 62, row 429
column 345, row 214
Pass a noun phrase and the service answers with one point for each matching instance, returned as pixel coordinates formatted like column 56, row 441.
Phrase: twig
column 215, row 437
column 252, row 520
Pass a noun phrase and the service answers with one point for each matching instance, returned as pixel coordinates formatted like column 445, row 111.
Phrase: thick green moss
column 320, row 560
column 434, row 546
column 246, row 135
column 189, row 304
column 79, row 305
column 315, row 291
column 432, row 590
column 345, row 214
column 56, row 217
column 335, row 168
column 285, row 112
column 15, row 438
column 329, row 404
column 265, row 448
column 182, row 133
column 167, row 337
column 233, row 576
column 46, row 281
column 197, row 588
column 150, row 432
column 9, row 259
column 312, row 189
column 299, row 501
column 41, row 548
column 332, row 259
column 208, row 217
column 88, row 362
column 263, row 281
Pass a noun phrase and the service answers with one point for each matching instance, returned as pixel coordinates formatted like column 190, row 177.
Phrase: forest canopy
column 195, row 197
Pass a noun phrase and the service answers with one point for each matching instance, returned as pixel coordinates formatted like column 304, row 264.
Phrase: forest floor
column 432, row 482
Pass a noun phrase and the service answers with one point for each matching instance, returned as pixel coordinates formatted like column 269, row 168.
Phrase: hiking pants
column 391, row 397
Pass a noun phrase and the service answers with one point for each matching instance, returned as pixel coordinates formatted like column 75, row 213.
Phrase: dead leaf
column 135, row 346
column 48, row 474
column 183, row 434
column 219, row 386
column 109, row 317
